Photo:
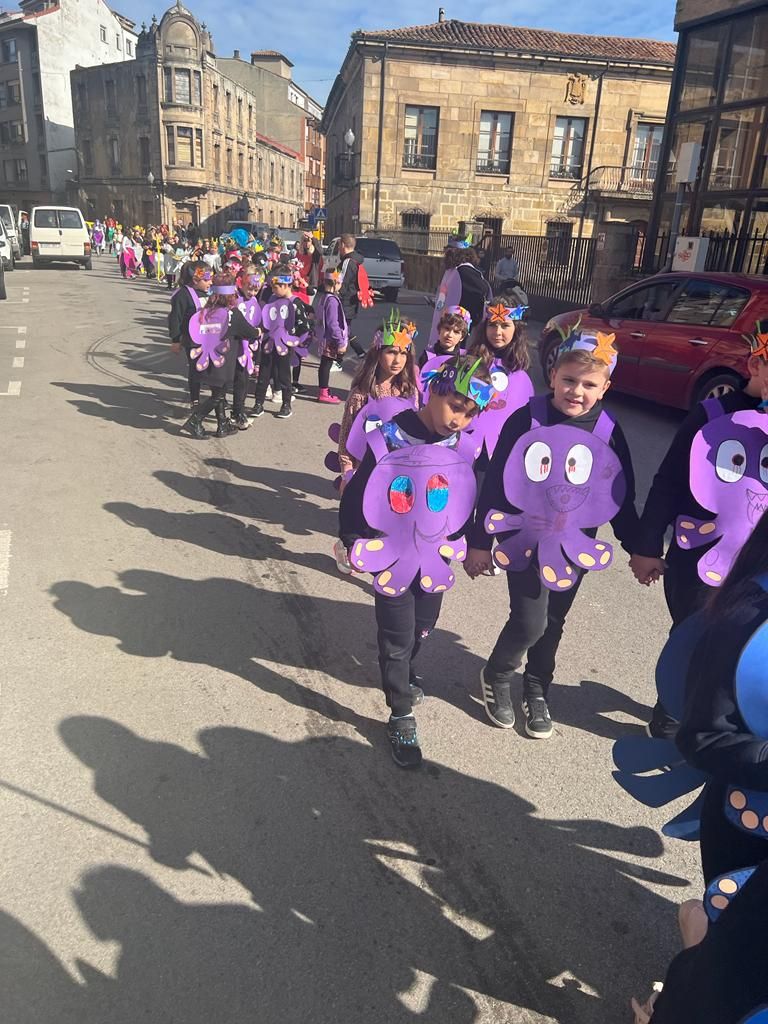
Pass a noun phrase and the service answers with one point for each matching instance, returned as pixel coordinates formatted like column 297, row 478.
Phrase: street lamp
column 150, row 179
column 349, row 138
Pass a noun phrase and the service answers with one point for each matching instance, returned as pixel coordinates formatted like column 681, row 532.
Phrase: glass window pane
column 701, row 68
column 198, row 88
column 168, row 79
column 169, row 137
column 494, row 142
column 685, row 131
column 736, row 145
column 707, row 303
column 726, row 216
column 182, row 86
column 748, row 62
column 645, row 153
column 568, row 147
column 198, row 147
column 647, row 303
column 184, row 146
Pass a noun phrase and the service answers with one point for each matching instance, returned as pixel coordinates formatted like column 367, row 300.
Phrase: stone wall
column 694, row 10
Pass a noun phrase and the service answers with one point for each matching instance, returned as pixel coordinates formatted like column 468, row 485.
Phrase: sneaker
column 662, row 726
column 538, row 724
column 404, row 741
column 342, row 558
column 242, row 422
column 498, row 702
column 285, row 411
column 258, row 410
column 336, row 367
column 329, row 399
column 269, row 397
column 298, row 389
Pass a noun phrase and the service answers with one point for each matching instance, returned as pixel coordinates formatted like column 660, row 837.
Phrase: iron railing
column 492, row 166
column 633, row 181
column 424, row 161
column 728, row 252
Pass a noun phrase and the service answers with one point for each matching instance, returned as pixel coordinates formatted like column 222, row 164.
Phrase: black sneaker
column 258, row 410
column 498, row 702
column 404, row 742
column 285, row 411
column 195, row 428
column 242, row 422
column 298, row 389
column 538, row 724
column 662, row 726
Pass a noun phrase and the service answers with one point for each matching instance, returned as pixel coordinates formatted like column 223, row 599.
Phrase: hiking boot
column 242, row 422
column 258, row 410
column 538, row 724
column 404, row 742
column 195, row 428
column 285, row 411
column 226, row 428
column 497, row 702
column 324, row 395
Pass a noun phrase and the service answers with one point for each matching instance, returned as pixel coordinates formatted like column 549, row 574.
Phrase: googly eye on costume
column 731, row 461
column 437, row 493
column 538, row 461
column 401, row 496
column 578, row 464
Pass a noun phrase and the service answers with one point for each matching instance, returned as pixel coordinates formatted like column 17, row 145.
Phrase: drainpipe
column 585, row 201
column 380, row 148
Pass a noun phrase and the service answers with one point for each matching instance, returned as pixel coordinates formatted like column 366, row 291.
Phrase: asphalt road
column 201, row 820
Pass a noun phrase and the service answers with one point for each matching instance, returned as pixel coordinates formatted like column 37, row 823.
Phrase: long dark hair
column 365, row 379
column 221, row 301
column 751, row 561
column 515, row 356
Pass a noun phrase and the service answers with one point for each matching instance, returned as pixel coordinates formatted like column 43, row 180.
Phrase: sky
column 316, row 36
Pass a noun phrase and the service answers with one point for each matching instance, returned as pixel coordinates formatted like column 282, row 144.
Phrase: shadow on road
column 127, row 405
column 374, row 896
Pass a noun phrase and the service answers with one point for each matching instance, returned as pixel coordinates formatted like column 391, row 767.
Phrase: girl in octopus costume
column 191, row 296
column 330, row 332
column 561, row 469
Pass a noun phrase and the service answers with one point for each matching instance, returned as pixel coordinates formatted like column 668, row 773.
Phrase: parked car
column 679, row 335
column 58, row 234
column 382, row 260
column 8, row 214
column 5, row 251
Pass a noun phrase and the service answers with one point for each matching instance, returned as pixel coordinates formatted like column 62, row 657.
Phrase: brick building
column 179, row 134
column 526, row 130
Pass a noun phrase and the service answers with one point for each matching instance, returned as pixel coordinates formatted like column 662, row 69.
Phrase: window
column 282, row 179
column 271, row 175
column 144, row 156
column 40, row 125
column 111, row 98
column 228, row 106
column 568, row 147
column 168, row 84
column 647, row 303
column 37, row 95
column 170, row 142
column 216, row 160
column 114, row 153
column 250, row 119
column 701, row 67
column 13, row 91
column 129, row 47
column 229, row 166
column 645, row 155
column 117, row 42
column 43, row 218
column 261, row 172
column 182, row 86
column 378, row 249
column 87, row 153
column 215, row 100
column 250, row 172
column 708, row 304
column 240, row 169
column 184, row 147
column 747, row 76
column 21, row 170
column 293, row 182
column 199, row 162
column 11, row 132
column 736, row 148
column 559, row 234
column 103, row 33
column 421, row 137
column 197, row 85
column 70, row 219
column 686, row 131
column 495, row 143
column 8, row 50
column 239, row 114
column 141, row 91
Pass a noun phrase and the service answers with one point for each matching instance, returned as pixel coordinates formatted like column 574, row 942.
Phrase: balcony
column 492, row 166
column 345, row 170
column 565, row 171
column 424, row 161
column 634, row 181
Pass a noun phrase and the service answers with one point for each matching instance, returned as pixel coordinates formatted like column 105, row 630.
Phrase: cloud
column 316, row 37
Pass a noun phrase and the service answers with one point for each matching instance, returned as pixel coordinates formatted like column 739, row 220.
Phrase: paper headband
column 395, row 333
column 600, row 346
column 224, row 289
column 332, row 274
column 459, row 243
column 465, row 315
column 453, row 378
column 501, row 314
column 758, row 342
column 281, row 279
column 202, row 275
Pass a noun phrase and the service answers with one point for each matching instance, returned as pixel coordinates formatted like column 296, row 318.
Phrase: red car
column 679, row 336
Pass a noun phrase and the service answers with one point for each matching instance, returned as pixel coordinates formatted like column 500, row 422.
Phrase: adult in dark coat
column 349, row 264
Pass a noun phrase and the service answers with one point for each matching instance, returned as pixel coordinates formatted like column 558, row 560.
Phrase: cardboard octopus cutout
column 416, row 497
column 513, row 390
column 278, row 318
column 564, row 480
column 448, row 294
column 209, row 344
column 251, row 310
column 728, row 476
column 375, row 412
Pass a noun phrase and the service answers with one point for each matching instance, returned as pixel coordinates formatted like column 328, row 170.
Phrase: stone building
column 719, row 100
column 178, row 134
column 525, row 130
column 39, row 45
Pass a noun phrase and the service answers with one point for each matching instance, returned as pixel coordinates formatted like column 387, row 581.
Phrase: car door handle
column 637, row 334
column 697, row 341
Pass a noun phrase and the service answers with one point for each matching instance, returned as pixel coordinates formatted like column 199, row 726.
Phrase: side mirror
column 596, row 309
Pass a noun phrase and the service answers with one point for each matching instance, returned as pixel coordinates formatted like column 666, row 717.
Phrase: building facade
column 39, row 46
column 719, row 99
column 527, row 131
column 177, row 135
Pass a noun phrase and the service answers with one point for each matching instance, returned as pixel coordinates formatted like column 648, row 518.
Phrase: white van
column 8, row 217
column 57, row 234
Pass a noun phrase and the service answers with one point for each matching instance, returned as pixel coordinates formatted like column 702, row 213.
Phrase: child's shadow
column 589, row 705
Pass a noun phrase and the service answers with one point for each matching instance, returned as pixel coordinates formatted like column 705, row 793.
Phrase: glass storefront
column 720, row 101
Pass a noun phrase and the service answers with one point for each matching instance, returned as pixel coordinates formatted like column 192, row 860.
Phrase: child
column 423, row 486
column 249, row 281
column 216, row 366
column 562, row 434
column 279, row 336
column 670, row 499
column 191, row 296
column 304, row 317
column 452, row 329
column 330, row 331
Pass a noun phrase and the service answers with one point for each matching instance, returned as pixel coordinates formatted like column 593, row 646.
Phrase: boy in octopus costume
column 560, row 469
column 712, row 486
column 402, row 518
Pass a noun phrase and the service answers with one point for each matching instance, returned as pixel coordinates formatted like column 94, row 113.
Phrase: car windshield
column 378, row 248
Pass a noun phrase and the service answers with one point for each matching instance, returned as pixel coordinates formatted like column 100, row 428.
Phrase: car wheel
column 717, row 386
column 548, row 356
column 35, row 262
column 3, row 293
column 390, row 294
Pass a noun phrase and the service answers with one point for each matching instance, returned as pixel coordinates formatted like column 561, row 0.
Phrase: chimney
column 441, row 14
column 236, row 55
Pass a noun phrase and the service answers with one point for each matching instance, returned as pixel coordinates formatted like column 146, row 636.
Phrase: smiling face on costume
column 499, row 335
column 578, row 387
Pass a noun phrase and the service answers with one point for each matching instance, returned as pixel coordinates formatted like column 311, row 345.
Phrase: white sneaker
column 269, row 397
column 335, row 368
column 342, row 558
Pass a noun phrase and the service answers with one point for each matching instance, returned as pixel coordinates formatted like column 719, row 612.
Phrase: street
column 202, row 822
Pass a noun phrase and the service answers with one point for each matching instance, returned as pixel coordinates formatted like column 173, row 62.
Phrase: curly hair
column 453, row 257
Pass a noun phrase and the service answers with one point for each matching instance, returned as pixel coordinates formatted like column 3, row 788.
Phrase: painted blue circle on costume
column 437, row 493
column 401, row 495
column 751, row 684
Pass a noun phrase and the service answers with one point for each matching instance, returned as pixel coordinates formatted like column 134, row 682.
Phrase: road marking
column 5, row 561
column 14, row 389
column 21, row 343
column 16, row 302
column 19, row 330
column 18, row 362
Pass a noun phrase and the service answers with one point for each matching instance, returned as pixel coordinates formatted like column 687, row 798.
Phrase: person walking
column 349, row 264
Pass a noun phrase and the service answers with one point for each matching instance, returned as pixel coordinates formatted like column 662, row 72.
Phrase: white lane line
column 16, row 302
column 19, row 330
column 21, row 343
column 14, row 389
column 5, row 561
column 18, row 362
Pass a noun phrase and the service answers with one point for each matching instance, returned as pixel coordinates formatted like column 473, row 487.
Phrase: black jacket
column 350, row 286
column 475, row 291
column 492, row 495
column 670, row 494
column 713, row 736
column 438, row 350
column 182, row 311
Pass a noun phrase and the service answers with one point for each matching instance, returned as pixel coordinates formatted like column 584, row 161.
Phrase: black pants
column 282, row 365
column 193, row 377
column 240, row 389
column 723, row 846
column 354, row 344
column 535, row 624
column 216, row 400
column 404, row 623
column 324, row 372
column 296, row 371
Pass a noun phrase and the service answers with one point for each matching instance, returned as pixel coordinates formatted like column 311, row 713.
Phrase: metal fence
column 727, row 252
